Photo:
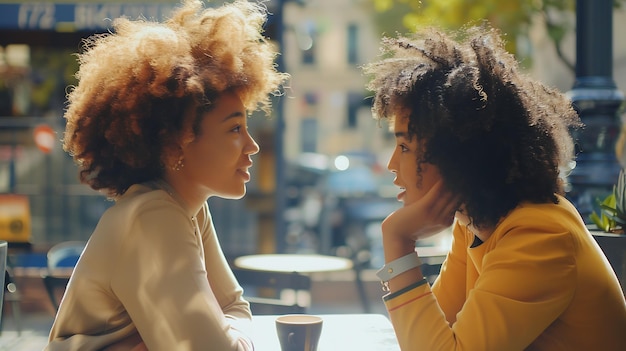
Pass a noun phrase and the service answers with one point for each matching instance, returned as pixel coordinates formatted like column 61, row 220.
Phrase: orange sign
column 45, row 138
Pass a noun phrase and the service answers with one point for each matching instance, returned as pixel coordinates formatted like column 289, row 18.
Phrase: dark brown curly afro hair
column 498, row 137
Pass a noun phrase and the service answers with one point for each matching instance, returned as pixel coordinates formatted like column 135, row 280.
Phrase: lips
column 402, row 192
column 244, row 174
column 243, row 171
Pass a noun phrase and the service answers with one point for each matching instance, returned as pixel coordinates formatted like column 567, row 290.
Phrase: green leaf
column 619, row 191
column 613, row 207
column 603, row 222
column 609, row 201
column 596, row 220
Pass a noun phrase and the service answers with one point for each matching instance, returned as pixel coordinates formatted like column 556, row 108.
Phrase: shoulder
column 139, row 196
column 546, row 227
column 146, row 204
column 549, row 216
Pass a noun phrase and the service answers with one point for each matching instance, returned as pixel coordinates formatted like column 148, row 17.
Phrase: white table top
column 362, row 332
column 300, row 263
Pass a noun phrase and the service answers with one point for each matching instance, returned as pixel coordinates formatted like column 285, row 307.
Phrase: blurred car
column 332, row 200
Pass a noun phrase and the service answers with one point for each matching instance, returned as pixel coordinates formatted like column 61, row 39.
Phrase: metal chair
column 10, row 295
column 61, row 256
column 265, row 291
column 3, row 271
column 430, row 271
column 14, row 298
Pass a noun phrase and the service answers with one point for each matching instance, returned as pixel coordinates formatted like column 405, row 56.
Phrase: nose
column 391, row 165
column 252, row 148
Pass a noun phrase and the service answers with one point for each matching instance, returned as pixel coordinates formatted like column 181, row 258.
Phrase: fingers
column 444, row 203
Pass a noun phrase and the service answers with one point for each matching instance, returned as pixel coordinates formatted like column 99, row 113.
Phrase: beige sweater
column 151, row 269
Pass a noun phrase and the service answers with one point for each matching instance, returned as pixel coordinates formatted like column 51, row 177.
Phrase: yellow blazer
column 540, row 282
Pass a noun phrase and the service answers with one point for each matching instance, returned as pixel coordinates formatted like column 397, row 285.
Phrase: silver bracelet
column 396, row 267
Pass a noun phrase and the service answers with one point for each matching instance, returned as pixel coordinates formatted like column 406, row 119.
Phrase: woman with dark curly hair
column 158, row 122
column 480, row 146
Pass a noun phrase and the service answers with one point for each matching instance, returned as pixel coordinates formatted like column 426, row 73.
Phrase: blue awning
column 68, row 17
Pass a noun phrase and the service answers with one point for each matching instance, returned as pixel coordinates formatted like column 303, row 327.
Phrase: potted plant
column 612, row 218
column 610, row 224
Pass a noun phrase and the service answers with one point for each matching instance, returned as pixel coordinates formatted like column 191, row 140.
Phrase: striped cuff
column 405, row 289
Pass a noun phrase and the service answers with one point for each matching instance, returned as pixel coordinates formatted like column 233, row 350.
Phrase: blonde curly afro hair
column 498, row 137
column 138, row 83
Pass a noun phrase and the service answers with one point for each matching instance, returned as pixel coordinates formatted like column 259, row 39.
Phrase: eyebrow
column 404, row 135
column 234, row 115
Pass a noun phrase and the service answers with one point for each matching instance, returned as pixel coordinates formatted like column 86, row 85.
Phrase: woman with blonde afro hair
column 135, row 84
column 479, row 149
column 158, row 122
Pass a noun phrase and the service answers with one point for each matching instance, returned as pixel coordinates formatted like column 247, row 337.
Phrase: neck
column 483, row 233
column 183, row 193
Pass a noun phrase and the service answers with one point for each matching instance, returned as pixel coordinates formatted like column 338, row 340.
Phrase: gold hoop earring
column 179, row 164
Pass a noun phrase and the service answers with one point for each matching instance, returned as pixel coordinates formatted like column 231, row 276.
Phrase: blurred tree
column 512, row 17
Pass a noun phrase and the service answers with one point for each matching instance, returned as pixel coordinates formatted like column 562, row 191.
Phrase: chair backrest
column 265, row 290
column 431, row 271
column 62, row 255
column 65, row 254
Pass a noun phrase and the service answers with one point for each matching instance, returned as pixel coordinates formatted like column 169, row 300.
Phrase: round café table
column 299, row 263
column 294, row 263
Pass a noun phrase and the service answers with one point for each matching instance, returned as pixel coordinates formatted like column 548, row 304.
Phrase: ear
column 171, row 156
column 187, row 134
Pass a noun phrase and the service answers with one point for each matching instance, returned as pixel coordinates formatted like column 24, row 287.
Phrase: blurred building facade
column 328, row 110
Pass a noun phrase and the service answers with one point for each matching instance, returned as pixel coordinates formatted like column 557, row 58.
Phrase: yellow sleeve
column 528, row 276
column 451, row 285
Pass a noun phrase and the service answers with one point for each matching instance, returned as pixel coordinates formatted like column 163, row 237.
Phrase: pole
column 280, row 194
column 598, row 101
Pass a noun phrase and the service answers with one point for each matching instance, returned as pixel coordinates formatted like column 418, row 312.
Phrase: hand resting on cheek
column 425, row 217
